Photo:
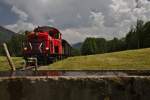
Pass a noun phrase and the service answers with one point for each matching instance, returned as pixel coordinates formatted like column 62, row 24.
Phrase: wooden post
column 8, row 57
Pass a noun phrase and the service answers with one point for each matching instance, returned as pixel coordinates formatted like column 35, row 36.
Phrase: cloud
column 66, row 13
column 72, row 35
column 130, row 10
column 78, row 19
column 20, row 26
column 97, row 19
column 22, row 15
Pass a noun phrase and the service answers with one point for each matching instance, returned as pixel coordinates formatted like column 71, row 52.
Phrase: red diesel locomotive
column 46, row 44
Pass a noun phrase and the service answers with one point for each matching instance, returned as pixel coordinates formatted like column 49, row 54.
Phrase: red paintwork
column 50, row 42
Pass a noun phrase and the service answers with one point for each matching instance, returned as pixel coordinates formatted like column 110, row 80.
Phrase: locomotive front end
column 36, row 46
column 44, row 43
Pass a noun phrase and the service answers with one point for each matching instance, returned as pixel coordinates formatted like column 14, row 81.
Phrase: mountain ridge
column 5, row 34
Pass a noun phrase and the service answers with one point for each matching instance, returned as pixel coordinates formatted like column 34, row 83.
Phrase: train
column 46, row 44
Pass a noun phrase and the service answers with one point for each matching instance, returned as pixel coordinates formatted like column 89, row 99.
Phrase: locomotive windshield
column 42, row 29
column 51, row 31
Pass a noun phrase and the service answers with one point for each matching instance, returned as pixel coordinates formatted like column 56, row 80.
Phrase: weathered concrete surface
column 75, row 88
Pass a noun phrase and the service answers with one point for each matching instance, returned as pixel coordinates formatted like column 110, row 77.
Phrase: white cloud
column 20, row 26
column 22, row 15
column 79, row 19
column 72, row 35
column 130, row 10
column 97, row 19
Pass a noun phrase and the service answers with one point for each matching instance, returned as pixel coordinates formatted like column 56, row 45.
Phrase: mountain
column 77, row 45
column 5, row 34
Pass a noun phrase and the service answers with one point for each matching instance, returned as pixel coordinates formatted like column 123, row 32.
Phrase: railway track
column 120, row 73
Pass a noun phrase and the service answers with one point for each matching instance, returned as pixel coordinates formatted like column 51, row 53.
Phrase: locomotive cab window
column 51, row 34
column 57, row 36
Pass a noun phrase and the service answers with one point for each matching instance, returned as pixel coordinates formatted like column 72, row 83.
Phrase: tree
column 101, row 45
column 15, row 44
column 131, row 40
column 75, row 52
column 122, row 44
column 116, row 45
column 2, row 53
column 135, row 37
column 146, row 35
column 89, row 46
column 139, row 33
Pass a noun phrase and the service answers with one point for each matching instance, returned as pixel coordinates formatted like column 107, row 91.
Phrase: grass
column 125, row 60
column 4, row 65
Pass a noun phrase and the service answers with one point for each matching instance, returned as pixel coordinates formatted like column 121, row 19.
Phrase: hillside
column 4, row 65
column 125, row 60
column 5, row 34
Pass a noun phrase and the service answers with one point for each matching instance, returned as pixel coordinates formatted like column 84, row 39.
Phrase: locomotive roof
column 65, row 42
column 46, row 28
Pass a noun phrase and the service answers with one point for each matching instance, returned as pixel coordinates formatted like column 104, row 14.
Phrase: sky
column 76, row 19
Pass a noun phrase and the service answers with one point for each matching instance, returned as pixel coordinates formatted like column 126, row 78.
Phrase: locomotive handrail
column 40, row 47
column 30, row 45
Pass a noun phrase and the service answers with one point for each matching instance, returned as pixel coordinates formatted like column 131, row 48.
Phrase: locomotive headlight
column 47, row 48
column 25, row 48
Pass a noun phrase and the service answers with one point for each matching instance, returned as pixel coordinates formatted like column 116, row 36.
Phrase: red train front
column 44, row 43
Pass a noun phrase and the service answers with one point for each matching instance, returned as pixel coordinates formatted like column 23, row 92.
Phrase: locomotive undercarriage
column 43, row 59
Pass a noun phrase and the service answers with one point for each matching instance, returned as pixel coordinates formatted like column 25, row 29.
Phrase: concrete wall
column 75, row 88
